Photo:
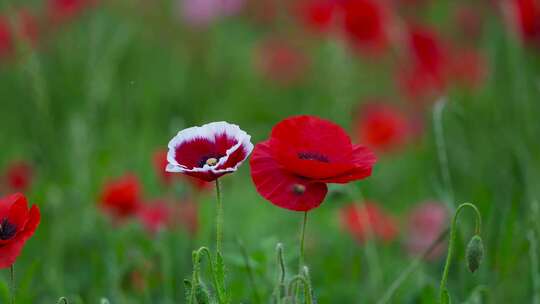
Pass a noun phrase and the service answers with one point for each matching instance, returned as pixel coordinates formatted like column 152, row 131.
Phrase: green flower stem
column 443, row 292
column 302, row 238
column 12, row 281
column 196, row 273
column 219, row 219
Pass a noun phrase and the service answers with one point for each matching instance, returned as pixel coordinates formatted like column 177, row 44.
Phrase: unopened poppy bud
column 299, row 189
column 475, row 253
column 201, row 294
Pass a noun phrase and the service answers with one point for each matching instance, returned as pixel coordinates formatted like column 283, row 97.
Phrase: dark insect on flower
column 209, row 151
column 17, row 225
column 303, row 154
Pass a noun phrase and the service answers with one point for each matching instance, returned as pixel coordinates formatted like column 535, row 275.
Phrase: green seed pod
column 475, row 253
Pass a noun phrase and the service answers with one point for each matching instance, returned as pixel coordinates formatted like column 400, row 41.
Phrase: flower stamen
column 211, row 161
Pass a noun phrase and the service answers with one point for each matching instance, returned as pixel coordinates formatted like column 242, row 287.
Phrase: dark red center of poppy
column 313, row 156
column 7, row 230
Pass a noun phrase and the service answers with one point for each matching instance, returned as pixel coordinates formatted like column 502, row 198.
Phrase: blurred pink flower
column 200, row 13
column 366, row 23
column 425, row 224
column 317, row 15
column 18, row 176
column 468, row 68
column 28, row 26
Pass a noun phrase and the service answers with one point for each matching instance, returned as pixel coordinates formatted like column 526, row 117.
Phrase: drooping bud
column 475, row 253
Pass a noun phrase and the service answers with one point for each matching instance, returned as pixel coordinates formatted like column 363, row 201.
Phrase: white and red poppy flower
column 209, row 151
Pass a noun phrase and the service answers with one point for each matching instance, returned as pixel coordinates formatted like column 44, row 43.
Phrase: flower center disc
column 211, row 161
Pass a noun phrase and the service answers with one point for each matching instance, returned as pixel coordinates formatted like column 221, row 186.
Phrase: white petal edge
column 209, row 131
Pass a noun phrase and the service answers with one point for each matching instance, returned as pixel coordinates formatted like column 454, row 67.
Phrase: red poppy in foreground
column 304, row 153
column 425, row 224
column 209, row 151
column 17, row 225
column 367, row 220
column 122, row 197
column 382, row 127
column 19, row 176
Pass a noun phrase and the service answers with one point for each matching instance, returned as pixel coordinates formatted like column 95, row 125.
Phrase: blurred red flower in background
column 280, row 61
column 468, row 68
column 317, row 15
column 209, row 151
column 65, row 10
column 424, row 74
column 469, row 21
column 17, row 225
column 19, row 176
column 365, row 23
column 28, row 26
column 425, row 224
column 525, row 14
column 6, row 38
column 186, row 215
column 382, row 126
column 155, row 216
column 160, row 164
column 122, row 197
column 368, row 220
column 303, row 153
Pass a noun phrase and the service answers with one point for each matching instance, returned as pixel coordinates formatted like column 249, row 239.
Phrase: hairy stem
column 219, row 219
column 453, row 229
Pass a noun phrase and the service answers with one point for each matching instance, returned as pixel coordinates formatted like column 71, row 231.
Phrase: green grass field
column 103, row 91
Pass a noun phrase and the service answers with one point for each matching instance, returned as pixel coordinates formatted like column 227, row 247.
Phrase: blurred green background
column 103, row 90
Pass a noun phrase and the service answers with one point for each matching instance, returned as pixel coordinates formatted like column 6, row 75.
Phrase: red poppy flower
column 210, row 151
column 382, row 126
column 304, row 153
column 368, row 220
column 425, row 224
column 366, row 24
column 525, row 14
column 122, row 197
column 17, row 225
column 19, row 176
column 155, row 216
column 280, row 61
column 469, row 21
column 6, row 38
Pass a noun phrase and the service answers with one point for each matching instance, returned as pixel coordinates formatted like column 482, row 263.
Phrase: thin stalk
column 412, row 266
column 442, row 154
column 453, row 229
column 12, row 281
column 302, row 238
column 533, row 253
column 219, row 219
